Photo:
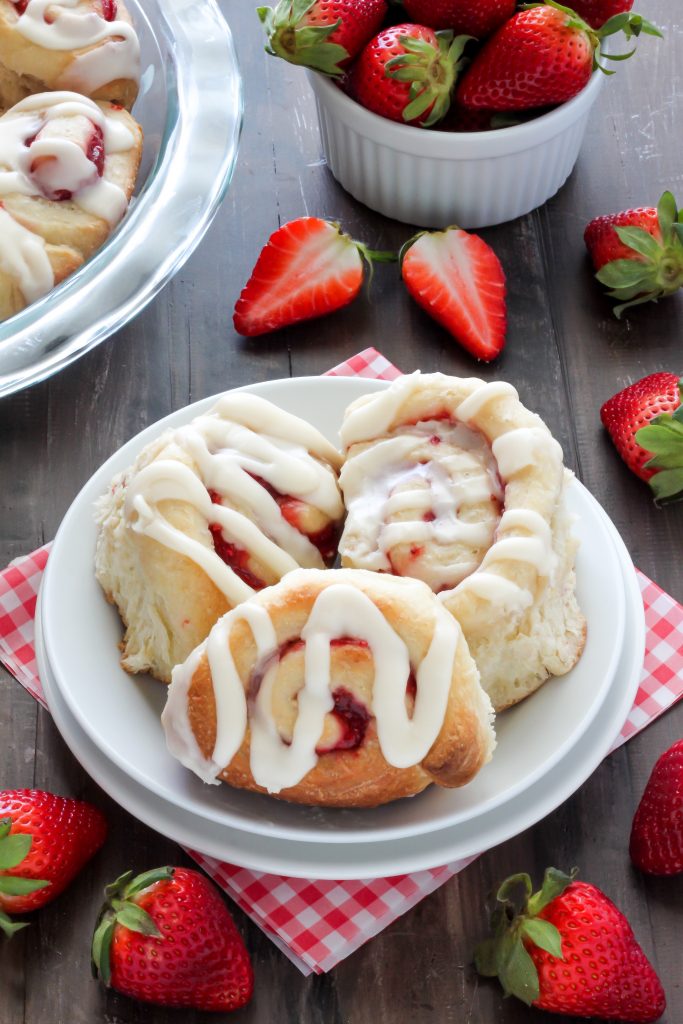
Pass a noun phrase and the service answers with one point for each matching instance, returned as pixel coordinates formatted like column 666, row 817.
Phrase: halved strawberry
column 646, row 418
column 458, row 279
column 308, row 268
column 638, row 253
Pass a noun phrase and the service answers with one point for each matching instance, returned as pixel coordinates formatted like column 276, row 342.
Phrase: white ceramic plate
column 374, row 860
column 120, row 714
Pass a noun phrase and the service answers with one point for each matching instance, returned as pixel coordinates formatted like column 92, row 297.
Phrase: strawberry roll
column 454, row 482
column 85, row 46
column 337, row 688
column 67, row 171
column 209, row 514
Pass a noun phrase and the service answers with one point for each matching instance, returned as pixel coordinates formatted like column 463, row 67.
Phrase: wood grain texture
column 566, row 354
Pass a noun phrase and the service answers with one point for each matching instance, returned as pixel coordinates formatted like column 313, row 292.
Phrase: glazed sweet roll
column 340, row 688
column 67, row 171
column 209, row 514
column 84, row 46
column 453, row 481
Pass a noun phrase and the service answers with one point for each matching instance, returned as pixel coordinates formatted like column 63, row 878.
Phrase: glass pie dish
column 190, row 108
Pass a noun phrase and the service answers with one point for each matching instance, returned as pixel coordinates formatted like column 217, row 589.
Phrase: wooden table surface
column 566, row 354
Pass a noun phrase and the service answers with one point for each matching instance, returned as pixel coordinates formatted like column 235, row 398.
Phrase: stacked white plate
column 547, row 746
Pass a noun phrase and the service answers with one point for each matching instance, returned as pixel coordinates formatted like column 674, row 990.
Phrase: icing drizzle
column 54, row 146
column 72, row 25
column 240, row 438
column 522, row 536
column 422, row 502
column 340, row 610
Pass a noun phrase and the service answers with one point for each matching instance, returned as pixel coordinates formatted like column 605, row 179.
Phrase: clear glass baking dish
column 190, row 107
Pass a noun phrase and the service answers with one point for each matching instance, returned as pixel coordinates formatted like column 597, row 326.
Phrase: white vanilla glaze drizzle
column 521, row 536
column 58, row 126
column 393, row 477
column 71, row 26
column 339, row 610
column 23, row 257
column 225, row 448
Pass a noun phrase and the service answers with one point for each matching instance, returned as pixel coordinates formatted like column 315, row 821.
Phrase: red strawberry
column 478, row 18
column 44, row 842
column 457, row 278
column 166, row 937
column 541, row 56
column 407, row 73
column 321, row 34
column 656, row 844
column 597, row 12
column 638, row 253
column 307, row 268
column 645, row 418
column 568, row 949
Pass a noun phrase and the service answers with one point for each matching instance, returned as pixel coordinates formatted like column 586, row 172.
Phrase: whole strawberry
column 458, row 280
column 597, row 12
column 645, row 421
column 568, row 949
column 656, row 845
column 407, row 73
column 308, row 268
column 478, row 18
column 638, row 253
column 166, row 937
column 44, row 842
column 321, row 34
column 544, row 55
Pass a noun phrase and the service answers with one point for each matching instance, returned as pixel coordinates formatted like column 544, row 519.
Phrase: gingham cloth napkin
column 319, row 923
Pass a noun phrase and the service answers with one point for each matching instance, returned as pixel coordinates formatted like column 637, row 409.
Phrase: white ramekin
column 436, row 178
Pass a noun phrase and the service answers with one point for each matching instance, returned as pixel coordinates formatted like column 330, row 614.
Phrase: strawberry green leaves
column 14, row 848
column 308, row 45
column 664, row 438
column 655, row 269
column 321, row 34
column 121, row 908
column 515, row 925
column 432, row 75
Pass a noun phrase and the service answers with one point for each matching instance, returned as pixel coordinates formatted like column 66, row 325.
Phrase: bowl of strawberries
column 452, row 111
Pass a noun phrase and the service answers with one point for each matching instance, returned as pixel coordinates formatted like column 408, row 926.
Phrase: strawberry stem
column 8, row 926
column 308, row 45
column 120, row 908
column 663, row 436
column 432, row 73
column 656, row 268
column 515, row 923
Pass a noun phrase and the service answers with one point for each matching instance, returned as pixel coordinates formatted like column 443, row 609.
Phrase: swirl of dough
column 225, row 506
column 512, row 584
column 67, row 171
column 334, row 687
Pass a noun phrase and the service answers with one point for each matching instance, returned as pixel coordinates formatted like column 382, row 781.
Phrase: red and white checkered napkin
column 318, row 923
